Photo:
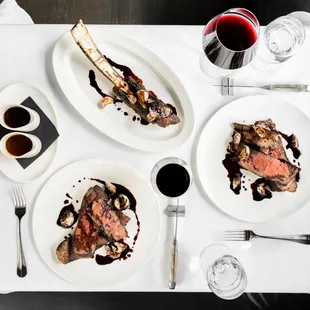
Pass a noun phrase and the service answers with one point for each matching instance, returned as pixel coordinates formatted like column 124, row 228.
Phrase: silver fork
column 20, row 210
column 249, row 235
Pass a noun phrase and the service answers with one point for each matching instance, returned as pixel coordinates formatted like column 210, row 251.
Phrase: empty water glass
column 225, row 275
column 281, row 39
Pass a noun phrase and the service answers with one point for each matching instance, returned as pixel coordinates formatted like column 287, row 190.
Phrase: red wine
column 173, row 180
column 236, row 32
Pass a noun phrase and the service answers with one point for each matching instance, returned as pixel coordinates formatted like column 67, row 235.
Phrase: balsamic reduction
column 67, row 195
column 93, row 83
column 18, row 145
column 173, row 180
column 143, row 122
column 127, row 72
column 290, row 144
column 16, row 117
column 233, row 170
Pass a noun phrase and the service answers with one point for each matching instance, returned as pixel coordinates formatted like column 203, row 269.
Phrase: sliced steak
column 259, row 136
column 102, row 214
column 272, row 169
column 277, row 187
column 264, row 136
column 279, row 152
column 84, row 241
column 124, row 219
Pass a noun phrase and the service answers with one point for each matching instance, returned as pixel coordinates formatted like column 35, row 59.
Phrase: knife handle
column 289, row 87
column 173, row 264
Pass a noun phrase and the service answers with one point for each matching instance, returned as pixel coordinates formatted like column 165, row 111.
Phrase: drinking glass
column 225, row 275
column 282, row 38
column 166, row 161
column 229, row 42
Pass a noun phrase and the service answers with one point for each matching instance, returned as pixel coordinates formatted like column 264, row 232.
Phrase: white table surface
column 25, row 56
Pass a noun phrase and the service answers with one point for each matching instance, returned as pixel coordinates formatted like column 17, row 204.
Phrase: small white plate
column 212, row 149
column 14, row 94
column 48, row 235
column 72, row 68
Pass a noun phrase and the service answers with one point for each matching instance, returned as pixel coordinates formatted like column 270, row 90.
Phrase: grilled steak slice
column 259, row 136
column 277, row 187
column 63, row 251
column 279, row 152
column 84, row 241
column 281, row 172
column 266, row 139
column 103, row 215
column 124, row 219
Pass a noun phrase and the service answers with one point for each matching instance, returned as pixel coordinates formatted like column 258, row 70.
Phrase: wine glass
column 229, row 42
column 282, row 38
column 225, row 275
column 171, row 177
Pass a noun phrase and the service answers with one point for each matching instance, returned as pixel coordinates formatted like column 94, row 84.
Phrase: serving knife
column 274, row 87
column 174, row 252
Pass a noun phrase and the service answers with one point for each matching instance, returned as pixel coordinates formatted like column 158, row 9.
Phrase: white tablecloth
column 25, row 56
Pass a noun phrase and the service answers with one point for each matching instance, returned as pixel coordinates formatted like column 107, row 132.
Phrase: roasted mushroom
column 121, row 202
column 66, row 219
column 115, row 249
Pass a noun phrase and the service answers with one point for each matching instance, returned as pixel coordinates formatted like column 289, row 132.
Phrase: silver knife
column 276, row 87
column 174, row 253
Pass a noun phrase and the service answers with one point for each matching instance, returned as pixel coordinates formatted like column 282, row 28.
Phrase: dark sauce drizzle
column 67, row 195
column 144, row 122
column 289, row 139
column 126, row 71
column 93, row 83
column 233, row 170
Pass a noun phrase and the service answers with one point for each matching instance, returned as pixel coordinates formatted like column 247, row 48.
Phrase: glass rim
column 272, row 23
column 165, row 161
column 231, row 11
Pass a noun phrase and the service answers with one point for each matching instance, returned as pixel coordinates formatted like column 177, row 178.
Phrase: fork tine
column 22, row 196
column 16, row 197
column 235, row 235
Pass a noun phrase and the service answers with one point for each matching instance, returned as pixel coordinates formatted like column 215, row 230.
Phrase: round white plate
column 15, row 94
column 212, row 149
column 72, row 67
column 48, row 235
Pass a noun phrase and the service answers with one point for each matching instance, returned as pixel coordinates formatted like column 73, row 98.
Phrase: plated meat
column 278, row 171
column 259, row 149
column 98, row 224
column 127, row 85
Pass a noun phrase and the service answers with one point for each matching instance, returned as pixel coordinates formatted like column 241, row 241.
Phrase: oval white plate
column 14, row 94
column 48, row 235
column 212, row 149
column 72, row 67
